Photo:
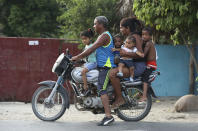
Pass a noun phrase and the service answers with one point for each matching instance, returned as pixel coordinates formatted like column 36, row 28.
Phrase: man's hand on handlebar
column 74, row 58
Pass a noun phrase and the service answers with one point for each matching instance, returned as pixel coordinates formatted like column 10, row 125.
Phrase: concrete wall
column 173, row 63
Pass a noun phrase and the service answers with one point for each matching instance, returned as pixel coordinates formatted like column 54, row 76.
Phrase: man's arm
column 102, row 40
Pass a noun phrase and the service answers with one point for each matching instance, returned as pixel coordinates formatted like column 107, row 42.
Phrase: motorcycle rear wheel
column 47, row 109
column 134, row 111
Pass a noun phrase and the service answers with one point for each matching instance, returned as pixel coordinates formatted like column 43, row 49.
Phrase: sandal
column 142, row 102
column 116, row 105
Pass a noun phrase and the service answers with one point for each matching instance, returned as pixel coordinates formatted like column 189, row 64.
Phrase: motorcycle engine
column 93, row 102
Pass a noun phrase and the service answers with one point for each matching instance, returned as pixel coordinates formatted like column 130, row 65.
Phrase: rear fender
column 151, row 91
column 51, row 84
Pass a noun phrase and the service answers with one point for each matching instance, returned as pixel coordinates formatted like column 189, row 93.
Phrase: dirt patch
column 162, row 111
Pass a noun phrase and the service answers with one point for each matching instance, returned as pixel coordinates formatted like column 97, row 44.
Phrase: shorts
column 146, row 74
column 139, row 68
column 103, row 80
column 127, row 63
column 90, row 66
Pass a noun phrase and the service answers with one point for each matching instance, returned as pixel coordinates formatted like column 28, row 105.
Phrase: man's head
column 100, row 23
column 147, row 34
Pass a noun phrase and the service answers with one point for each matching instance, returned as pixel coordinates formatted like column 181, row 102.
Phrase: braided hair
column 88, row 33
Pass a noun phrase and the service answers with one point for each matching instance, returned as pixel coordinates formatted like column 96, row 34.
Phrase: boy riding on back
column 150, row 56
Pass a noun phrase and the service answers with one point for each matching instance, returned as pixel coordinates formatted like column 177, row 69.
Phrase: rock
column 187, row 103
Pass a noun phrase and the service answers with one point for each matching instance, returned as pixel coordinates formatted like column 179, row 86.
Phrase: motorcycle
column 51, row 99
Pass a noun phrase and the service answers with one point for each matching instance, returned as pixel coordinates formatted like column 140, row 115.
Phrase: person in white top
column 129, row 46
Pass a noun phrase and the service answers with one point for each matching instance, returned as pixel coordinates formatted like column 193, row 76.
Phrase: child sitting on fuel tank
column 86, row 37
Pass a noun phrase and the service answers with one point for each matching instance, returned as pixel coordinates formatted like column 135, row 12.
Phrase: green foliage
column 179, row 18
column 29, row 18
column 50, row 18
column 78, row 15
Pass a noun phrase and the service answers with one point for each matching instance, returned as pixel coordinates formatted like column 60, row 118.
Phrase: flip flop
column 116, row 105
column 142, row 102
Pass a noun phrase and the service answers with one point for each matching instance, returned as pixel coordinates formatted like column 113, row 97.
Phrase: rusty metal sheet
column 26, row 61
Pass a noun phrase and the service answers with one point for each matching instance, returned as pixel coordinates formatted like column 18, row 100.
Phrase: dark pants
column 139, row 68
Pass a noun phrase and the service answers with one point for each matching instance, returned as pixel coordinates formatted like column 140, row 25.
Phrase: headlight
column 57, row 63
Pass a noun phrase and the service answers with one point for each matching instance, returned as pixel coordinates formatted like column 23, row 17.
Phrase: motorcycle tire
column 62, row 93
column 142, row 115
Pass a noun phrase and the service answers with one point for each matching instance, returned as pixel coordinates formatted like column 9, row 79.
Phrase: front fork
column 58, row 83
column 75, row 89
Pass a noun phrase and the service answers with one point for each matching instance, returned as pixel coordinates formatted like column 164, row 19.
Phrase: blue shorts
column 103, row 81
column 90, row 66
column 127, row 63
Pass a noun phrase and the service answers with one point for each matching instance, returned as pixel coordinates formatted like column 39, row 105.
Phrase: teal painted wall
column 173, row 63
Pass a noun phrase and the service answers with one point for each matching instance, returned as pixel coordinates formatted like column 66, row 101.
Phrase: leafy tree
column 79, row 15
column 29, row 18
column 178, row 18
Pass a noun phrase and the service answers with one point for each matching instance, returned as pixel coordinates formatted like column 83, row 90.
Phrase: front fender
column 51, row 84
column 48, row 83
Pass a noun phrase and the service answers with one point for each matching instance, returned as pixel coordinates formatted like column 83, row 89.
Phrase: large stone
column 187, row 103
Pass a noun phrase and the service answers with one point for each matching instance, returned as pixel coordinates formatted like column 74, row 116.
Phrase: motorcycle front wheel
column 133, row 110
column 48, row 111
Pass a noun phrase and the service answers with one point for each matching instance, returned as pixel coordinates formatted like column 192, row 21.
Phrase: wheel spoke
column 133, row 110
column 44, row 110
column 49, row 110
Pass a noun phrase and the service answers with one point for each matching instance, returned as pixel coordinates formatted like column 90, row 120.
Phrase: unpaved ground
column 162, row 111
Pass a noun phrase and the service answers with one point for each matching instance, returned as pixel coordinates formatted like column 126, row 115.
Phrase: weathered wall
column 23, row 65
column 173, row 63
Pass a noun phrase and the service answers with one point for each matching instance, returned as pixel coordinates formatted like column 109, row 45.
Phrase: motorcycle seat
column 138, row 80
